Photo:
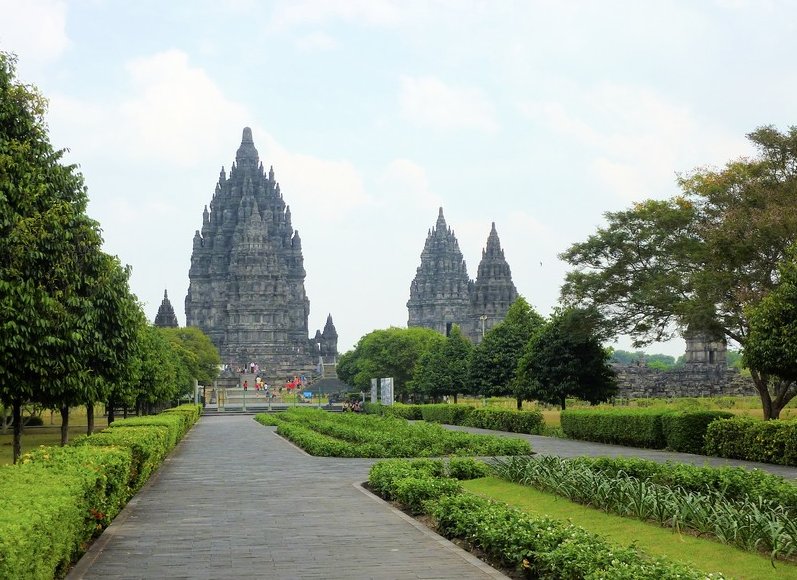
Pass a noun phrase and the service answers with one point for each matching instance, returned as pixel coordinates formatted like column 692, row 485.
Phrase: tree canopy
column 443, row 369
column 565, row 358
column 700, row 260
column 494, row 360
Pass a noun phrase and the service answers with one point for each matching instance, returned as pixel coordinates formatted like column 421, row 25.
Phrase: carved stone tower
column 440, row 292
column 704, row 349
column 247, row 274
column 493, row 292
column 166, row 316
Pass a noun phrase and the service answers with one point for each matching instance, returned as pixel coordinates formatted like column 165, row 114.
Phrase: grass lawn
column 704, row 554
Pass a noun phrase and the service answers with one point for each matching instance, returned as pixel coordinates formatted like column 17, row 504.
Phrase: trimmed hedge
column 531, row 422
column 56, row 498
column 744, row 438
column 649, row 428
column 447, row 414
column 409, row 412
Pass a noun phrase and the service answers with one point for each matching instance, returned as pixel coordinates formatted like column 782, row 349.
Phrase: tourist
column 246, row 385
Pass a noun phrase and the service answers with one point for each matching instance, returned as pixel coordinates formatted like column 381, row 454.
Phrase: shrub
column 686, row 431
column 743, row 438
column 467, row 468
column 148, row 444
column 633, row 427
column 175, row 424
column 414, row 491
column 373, row 408
column 409, row 412
column 383, row 475
column 506, row 420
column 447, row 414
column 32, row 421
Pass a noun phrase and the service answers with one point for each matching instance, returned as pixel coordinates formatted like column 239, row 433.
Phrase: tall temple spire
column 493, row 292
column 440, row 292
column 165, row 318
column 247, row 274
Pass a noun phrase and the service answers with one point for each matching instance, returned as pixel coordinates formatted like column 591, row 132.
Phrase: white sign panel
column 387, row 390
column 373, row 390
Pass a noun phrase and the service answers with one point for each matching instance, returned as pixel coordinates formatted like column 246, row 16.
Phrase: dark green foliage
column 531, row 422
column 467, row 468
column 545, row 548
column 743, row 438
column 734, row 483
column 443, row 369
column 646, row 427
column 632, row 427
column 355, row 435
column 686, row 431
column 175, row 425
column 565, row 358
column 494, row 360
column 445, row 414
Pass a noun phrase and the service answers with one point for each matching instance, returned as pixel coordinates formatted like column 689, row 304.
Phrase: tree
column 43, row 233
column 771, row 346
column 198, row 353
column 565, row 358
column 392, row 352
column 444, row 368
column 494, row 360
column 699, row 261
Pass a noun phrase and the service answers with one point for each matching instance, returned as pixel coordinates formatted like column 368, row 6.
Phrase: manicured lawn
column 703, row 554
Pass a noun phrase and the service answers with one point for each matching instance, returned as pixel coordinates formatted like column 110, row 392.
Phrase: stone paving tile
column 236, row 501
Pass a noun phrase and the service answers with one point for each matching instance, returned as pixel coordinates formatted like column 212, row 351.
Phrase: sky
column 540, row 116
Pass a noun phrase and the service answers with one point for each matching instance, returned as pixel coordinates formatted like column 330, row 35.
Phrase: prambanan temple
column 246, row 289
column 442, row 294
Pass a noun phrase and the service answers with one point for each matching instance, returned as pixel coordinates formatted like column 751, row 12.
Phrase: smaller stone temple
column 166, row 318
column 442, row 294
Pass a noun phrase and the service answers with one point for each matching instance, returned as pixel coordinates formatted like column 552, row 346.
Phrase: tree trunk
column 761, row 382
column 64, row 425
column 519, row 401
column 109, row 409
column 16, row 418
column 455, row 398
column 89, row 419
column 564, row 401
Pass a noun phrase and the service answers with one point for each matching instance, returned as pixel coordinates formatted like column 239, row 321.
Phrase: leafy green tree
column 565, row 358
column 392, row 352
column 701, row 260
column 199, row 355
column 771, row 347
column 494, row 360
column 46, row 241
column 444, row 368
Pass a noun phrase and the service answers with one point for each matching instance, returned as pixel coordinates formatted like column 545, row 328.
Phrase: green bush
column 414, row 491
column 686, row 431
column 106, row 471
column 409, row 412
column 467, row 468
column 632, row 427
column 383, row 475
column 148, row 444
column 42, row 520
column 373, row 408
column 531, row 422
column 744, row 438
column 446, row 414
column 33, row 421
column 175, row 424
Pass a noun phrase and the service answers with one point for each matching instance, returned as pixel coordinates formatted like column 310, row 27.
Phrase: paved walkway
column 234, row 500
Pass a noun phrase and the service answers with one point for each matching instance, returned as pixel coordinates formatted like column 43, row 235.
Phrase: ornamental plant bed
column 354, row 435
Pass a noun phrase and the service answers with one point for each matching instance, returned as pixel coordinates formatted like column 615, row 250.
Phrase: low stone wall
column 691, row 381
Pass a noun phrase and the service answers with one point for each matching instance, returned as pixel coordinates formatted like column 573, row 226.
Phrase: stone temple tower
column 493, row 292
column 440, row 292
column 166, row 316
column 247, row 273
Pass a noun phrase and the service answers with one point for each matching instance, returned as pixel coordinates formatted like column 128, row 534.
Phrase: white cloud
column 427, row 101
column 369, row 12
column 34, row 29
column 636, row 138
column 317, row 41
column 405, row 183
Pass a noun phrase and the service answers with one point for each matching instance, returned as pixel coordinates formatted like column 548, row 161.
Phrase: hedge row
column 531, row 422
column 745, row 438
column 355, row 435
column 539, row 547
column 55, row 499
column 651, row 428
